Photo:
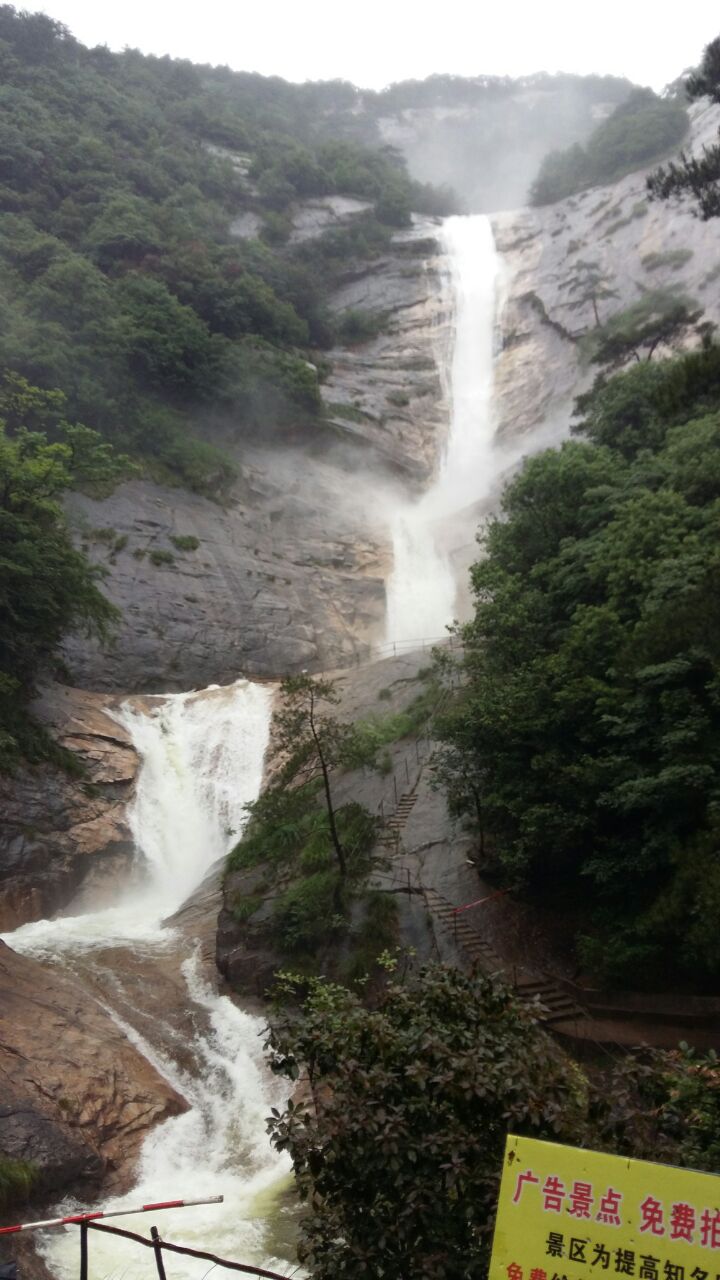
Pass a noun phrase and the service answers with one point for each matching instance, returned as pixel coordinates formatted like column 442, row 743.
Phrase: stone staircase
column 392, row 830
column 557, row 1007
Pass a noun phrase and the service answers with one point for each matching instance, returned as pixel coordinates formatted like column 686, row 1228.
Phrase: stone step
column 576, row 1014
column 558, row 1007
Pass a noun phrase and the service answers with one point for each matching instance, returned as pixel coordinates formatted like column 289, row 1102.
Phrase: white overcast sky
column 374, row 42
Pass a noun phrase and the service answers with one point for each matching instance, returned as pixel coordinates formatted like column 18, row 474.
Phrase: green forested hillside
column 585, row 743
column 122, row 285
column 131, row 315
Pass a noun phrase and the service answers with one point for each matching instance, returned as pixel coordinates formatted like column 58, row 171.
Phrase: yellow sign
column 567, row 1214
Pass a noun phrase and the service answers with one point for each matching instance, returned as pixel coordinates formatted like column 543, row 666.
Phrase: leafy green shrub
column 160, row 556
column 185, row 541
column 418, row 1095
column 282, row 820
column 276, row 228
column 288, row 829
column 306, row 915
column 376, row 731
column 243, row 908
column 48, row 587
column 360, row 326
column 673, row 258
column 350, row 412
column 17, row 1180
column 398, row 398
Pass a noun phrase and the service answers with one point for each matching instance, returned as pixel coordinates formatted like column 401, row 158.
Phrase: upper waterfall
column 422, row 590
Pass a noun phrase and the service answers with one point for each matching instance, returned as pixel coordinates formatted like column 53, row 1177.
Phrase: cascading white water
column 421, row 591
column 202, row 759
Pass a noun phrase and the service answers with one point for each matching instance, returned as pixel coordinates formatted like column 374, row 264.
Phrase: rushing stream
column 422, row 590
column 202, row 757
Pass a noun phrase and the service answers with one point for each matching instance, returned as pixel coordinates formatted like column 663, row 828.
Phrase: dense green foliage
column 698, row 176
column 663, row 1106
column 46, row 586
column 314, row 852
column 399, row 1153
column 640, row 130
column 288, row 838
column 399, row 1157
column 120, row 177
column 586, row 739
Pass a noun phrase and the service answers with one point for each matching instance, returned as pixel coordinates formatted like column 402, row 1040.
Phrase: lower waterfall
column 422, row 589
column 201, row 762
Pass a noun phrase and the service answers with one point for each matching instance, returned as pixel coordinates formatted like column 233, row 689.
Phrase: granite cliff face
column 61, row 834
column 636, row 244
column 289, row 574
column 77, row 1098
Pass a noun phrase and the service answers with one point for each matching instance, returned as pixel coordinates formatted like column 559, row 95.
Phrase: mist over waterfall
column 201, row 762
column 422, row 589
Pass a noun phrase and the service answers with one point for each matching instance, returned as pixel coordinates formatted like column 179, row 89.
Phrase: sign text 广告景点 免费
column 568, row 1214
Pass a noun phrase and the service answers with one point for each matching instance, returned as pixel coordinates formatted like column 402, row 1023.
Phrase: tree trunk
column 337, row 846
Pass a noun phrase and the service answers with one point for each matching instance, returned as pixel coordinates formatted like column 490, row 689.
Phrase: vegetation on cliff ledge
column 47, row 587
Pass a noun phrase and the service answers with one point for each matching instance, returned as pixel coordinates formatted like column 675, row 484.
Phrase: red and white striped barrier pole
column 112, row 1213
column 479, row 902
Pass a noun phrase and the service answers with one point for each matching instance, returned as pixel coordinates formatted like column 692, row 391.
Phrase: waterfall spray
column 421, row 591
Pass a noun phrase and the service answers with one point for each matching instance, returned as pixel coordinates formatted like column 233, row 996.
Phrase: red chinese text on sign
column 527, row 1176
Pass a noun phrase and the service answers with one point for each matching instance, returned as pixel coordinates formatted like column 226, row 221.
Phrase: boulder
column 61, row 833
column 77, row 1097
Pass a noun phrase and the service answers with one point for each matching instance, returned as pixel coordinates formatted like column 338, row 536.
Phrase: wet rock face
column 290, row 573
column 386, row 393
column 77, row 1098
column 61, row 833
column 285, row 577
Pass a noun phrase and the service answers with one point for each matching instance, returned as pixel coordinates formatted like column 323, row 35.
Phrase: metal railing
column 89, row 1222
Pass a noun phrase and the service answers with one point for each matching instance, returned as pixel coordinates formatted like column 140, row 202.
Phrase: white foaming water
column 218, row 1146
column 421, row 591
column 202, row 758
